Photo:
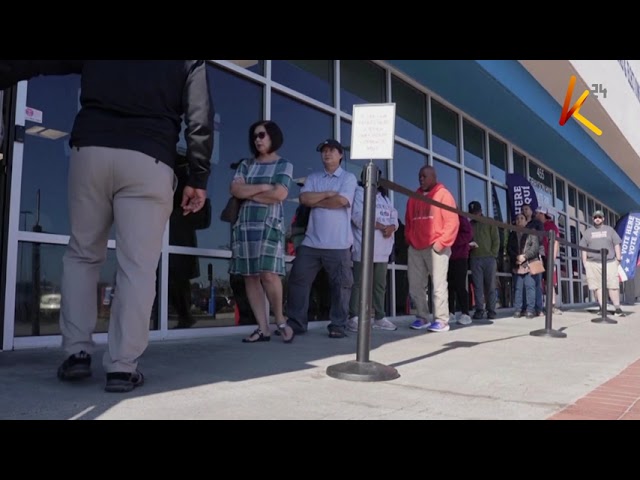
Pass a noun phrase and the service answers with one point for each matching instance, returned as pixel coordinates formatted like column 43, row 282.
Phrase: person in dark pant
column 123, row 143
column 327, row 242
column 457, row 274
column 483, row 261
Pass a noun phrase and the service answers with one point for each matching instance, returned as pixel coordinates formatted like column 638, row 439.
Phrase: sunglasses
column 598, row 217
column 259, row 135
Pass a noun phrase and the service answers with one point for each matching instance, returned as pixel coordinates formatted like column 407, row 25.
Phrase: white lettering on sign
column 373, row 131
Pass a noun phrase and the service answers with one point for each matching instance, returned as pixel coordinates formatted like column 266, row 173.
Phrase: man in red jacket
column 430, row 232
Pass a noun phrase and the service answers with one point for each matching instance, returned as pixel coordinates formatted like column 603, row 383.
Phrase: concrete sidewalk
column 495, row 371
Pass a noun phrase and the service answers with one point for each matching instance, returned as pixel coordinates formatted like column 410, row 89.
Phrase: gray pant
column 483, row 274
column 135, row 193
column 379, row 289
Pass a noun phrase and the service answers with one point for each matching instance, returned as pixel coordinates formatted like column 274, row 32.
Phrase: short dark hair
column 274, row 132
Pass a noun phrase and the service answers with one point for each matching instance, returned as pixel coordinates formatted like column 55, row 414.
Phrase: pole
column 363, row 370
column 604, row 290
column 548, row 331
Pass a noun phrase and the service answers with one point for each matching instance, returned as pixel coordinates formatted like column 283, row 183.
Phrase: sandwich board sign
column 373, row 131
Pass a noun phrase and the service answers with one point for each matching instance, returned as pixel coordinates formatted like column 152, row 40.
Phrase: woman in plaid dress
column 258, row 236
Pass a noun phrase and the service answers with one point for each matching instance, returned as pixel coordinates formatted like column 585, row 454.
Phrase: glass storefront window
column 43, row 203
column 498, row 159
column 582, row 207
column 519, row 164
column 444, row 131
column 411, row 112
column 406, row 167
column 198, row 300
column 313, row 78
column 561, row 222
column 559, row 195
column 474, row 143
column 38, row 294
column 255, row 66
column 450, row 177
column 572, row 209
column 233, row 119
column 542, row 181
column 361, row 81
column 475, row 189
column 303, row 127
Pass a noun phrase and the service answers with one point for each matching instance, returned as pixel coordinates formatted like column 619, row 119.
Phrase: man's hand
column 192, row 200
column 388, row 230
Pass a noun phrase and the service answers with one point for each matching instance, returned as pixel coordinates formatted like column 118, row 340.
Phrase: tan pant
column 134, row 193
column 421, row 264
column 594, row 275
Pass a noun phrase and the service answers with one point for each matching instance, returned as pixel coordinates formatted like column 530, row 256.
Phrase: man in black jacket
column 121, row 172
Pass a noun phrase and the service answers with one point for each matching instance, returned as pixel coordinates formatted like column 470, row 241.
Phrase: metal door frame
column 15, row 150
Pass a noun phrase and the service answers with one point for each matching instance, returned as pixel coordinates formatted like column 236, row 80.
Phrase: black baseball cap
column 475, row 207
column 331, row 143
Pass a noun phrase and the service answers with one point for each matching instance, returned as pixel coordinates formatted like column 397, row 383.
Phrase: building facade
column 475, row 121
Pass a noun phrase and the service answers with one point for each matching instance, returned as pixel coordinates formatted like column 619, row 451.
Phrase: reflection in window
column 559, row 195
column 577, row 287
column 474, row 147
column 234, row 119
column 476, row 190
column 38, row 294
column 498, row 159
column 46, row 154
column 411, row 112
column 198, row 300
column 450, row 177
column 573, row 237
column 406, row 167
column 444, row 131
column 361, row 81
column 255, row 66
column 519, row 164
column 304, row 127
column 590, row 208
column 356, row 166
column 313, row 78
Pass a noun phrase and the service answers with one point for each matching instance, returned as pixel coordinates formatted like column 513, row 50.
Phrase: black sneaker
column 123, row 381
column 75, row 367
column 620, row 313
column 479, row 315
column 492, row 315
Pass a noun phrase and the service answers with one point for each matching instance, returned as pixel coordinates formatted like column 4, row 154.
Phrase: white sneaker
column 352, row 324
column 384, row 324
column 465, row 320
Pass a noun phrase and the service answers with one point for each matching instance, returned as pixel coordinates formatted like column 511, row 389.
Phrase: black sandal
column 335, row 332
column 282, row 329
column 261, row 337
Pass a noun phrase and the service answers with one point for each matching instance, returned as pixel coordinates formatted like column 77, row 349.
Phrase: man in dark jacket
column 121, row 172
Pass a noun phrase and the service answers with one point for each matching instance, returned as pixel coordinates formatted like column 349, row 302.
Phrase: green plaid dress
column 258, row 237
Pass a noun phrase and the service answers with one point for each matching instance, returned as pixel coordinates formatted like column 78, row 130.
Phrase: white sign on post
column 373, row 131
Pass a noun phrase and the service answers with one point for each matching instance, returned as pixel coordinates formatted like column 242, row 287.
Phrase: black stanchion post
column 548, row 331
column 604, row 291
column 363, row 370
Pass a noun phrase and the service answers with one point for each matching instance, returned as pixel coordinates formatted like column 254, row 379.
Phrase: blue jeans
column 524, row 287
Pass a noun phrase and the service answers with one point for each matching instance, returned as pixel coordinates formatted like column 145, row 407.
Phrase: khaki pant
column 421, row 264
column 133, row 192
column 594, row 275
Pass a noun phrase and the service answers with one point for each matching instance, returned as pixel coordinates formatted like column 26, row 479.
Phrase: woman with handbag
column 258, row 235
column 522, row 249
